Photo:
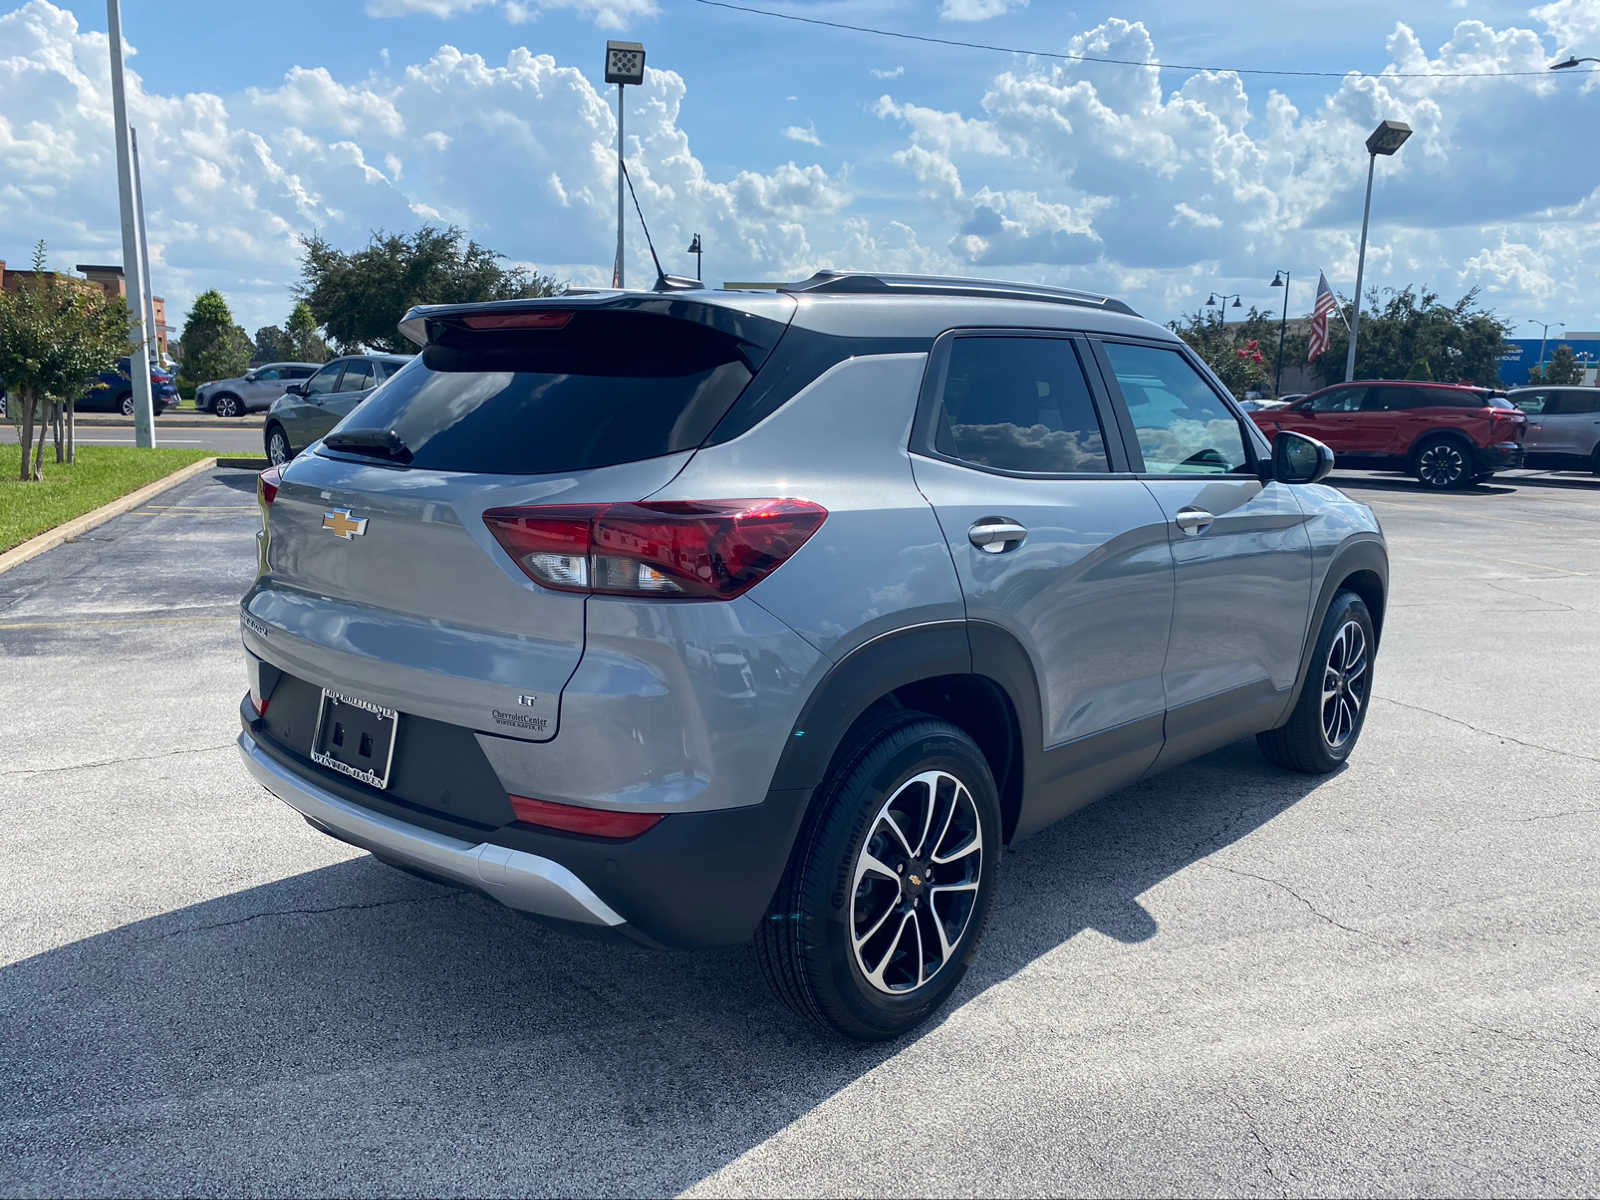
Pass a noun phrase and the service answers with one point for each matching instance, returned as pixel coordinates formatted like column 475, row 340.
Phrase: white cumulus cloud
column 977, row 10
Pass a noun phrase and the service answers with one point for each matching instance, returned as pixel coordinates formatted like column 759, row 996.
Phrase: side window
column 1392, row 399
column 1345, row 399
column 299, row 372
column 1183, row 426
column 357, row 375
column 325, row 381
column 1532, row 403
column 1450, row 398
column 1019, row 404
column 268, row 374
column 1584, row 402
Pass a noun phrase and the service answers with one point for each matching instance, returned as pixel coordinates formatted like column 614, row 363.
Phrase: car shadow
column 236, row 480
column 1346, row 483
column 353, row 1028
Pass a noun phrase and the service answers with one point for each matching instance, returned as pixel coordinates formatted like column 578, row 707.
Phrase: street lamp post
column 144, row 427
column 1280, row 278
column 1544, row 336
column 1220, row 303
column 1571, row 62
column 624, row 65
column 694, row 249
column 1385, row 139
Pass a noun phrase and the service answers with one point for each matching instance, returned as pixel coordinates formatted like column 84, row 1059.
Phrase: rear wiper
column 380, row 443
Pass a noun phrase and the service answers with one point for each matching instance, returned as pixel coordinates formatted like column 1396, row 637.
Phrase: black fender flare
column 1360, row 552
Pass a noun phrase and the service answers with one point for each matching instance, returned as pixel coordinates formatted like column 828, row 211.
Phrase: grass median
column 101, row 474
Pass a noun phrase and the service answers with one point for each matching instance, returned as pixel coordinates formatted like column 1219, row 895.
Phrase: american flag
column 1324, row 305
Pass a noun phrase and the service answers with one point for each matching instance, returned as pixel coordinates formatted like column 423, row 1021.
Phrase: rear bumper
column 1503, row 456
column 515, row 878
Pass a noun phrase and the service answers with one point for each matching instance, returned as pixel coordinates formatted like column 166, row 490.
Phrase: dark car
column 113, row 391
column 1447, row 435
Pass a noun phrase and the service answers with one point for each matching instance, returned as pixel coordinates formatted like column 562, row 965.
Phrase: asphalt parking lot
column 1227, row 979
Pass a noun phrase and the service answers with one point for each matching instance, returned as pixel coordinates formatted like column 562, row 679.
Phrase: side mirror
column 1297, row 458
column 295, row 389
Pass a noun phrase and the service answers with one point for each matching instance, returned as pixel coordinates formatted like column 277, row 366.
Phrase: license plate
column 355, row 737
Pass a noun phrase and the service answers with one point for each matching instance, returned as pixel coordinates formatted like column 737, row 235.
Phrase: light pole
column 144, row 429
column 1544, row 336
column 694, row 249
column 1220, row 303
column 1280, row 278
column 624, row 65
column 1385, row 139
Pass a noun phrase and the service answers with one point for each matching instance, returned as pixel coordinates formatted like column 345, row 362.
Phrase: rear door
column 1053, row 539
column 1388, row 415
column 1239, row 546
column 1573, row 427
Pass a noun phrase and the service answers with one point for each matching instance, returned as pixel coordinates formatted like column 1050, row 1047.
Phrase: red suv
column 1446, row 434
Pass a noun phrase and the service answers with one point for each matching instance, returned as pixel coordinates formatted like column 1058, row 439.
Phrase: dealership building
column 1522, row 355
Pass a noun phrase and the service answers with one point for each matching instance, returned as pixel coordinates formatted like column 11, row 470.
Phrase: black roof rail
column 866, row 283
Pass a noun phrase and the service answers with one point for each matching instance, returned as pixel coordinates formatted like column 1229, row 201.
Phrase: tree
column 273, row 345
column 213, row 346
column 1240, row 353
column 1564, row 369
column 56, row 335
column 1458, row 343
column 360, row 297
column 305, row 343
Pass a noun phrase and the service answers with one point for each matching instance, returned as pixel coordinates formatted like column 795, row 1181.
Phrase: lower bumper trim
column 517, row 879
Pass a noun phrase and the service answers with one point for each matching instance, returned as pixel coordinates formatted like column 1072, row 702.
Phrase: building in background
column 109, row 280
column 1522, row 355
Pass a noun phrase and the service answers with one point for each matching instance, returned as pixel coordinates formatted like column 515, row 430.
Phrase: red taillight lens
column 267, row 485
column 689, row 549
column 569, row 818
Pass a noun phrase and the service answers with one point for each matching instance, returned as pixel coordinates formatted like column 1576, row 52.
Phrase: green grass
column 101, row 474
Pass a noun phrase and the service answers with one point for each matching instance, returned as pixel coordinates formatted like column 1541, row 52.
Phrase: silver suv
column 253, row 391
column 708, row 617
column 1563, row 425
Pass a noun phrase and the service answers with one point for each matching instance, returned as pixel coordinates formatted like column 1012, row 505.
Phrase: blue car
column 114, row 390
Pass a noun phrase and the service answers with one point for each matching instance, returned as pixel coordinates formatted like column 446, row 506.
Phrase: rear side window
column 603, row 387
column 1582, row 402
column 358, row 375
column 1020, row 404
column 1183, row 426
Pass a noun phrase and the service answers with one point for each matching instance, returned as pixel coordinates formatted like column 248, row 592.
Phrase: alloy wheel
column 1344, row 684
column 1442, row 465
column 127, row 406
column 227, row 406
column 916, row 882
column 278, row 448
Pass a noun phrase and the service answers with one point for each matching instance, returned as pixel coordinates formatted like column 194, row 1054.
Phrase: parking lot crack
column 1268, row 1153
column 1534, row 1039
column 1504, row 737
column 295, row 912
column 114, row 762
column 1310, row 907
column 1511, row 591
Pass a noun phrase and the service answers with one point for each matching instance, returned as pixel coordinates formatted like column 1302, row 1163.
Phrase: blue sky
column 792, row 147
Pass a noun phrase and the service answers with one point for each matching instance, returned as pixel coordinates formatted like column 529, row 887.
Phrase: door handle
column 1193, row 521
column 996, row 537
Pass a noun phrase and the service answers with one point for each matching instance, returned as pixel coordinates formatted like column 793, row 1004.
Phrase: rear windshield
column 610, row 387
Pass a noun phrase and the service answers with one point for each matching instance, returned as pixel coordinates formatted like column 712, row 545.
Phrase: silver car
column 305, row 411
column 253, row 391
column 1563, row 425
column 708, row 617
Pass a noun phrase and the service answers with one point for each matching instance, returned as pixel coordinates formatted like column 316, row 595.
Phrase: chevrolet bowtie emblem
column 343, row 524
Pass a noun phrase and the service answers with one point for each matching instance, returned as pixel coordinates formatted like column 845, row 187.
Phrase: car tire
column 1594, row 461
column 125, row 404
column 1443, row 463
column 853, row 947
column 1324, row 726
column 279, row 451
column 227, row 405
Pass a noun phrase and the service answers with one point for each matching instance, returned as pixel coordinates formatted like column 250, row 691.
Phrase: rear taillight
column 267, row 485
column 570, row 818
column 688, row 549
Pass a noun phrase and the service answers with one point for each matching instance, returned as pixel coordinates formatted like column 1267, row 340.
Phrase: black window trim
column 924, row 425
column 1256, row 446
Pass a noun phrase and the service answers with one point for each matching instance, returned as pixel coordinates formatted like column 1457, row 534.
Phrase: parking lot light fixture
column 1386, row 139
column 1220, row 303
column 694, row 249
column 1544, row 336
column 1280, row 278
column 1571, row 62
column 624, row 66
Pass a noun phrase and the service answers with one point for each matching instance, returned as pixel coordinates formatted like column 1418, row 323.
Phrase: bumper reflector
column 571, row 818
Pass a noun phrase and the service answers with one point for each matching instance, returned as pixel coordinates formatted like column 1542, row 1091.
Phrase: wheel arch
column 1434, row 435
column 971, row 674
column 1360, row 565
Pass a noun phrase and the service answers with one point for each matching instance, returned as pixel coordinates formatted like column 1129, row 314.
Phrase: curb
column 51, row 538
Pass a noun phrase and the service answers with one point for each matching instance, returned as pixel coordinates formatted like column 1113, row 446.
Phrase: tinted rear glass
column 611, row 387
